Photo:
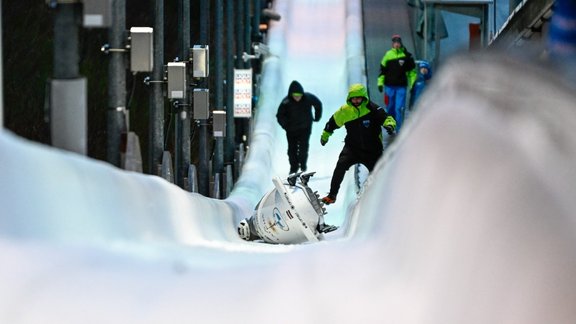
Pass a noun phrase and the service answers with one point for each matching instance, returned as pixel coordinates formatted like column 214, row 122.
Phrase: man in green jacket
column 363, row 120
column 397, row 75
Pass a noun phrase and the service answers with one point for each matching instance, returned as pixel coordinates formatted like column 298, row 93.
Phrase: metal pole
column 116, row 83
column 1, row 74
column 247, row 29
column 219, row 87
column 68, row 105
column 204, row 31
column 240, row 43
column 204, row 155
column 485, row 23
column 248, row 63
column 176, row 104
column 186, row 120
column 219, row 54
column 437, row 14
column 230, row 129
column 66, row 28
column 239, row 22
column 256, row 21
column 494, row 19
column 156, row 121
column 426, row 30
column 182, row 121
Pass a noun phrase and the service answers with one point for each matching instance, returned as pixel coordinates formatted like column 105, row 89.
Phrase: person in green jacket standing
column 363, row 120
column 397, row 76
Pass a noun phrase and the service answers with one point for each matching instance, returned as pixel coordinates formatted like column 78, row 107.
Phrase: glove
column 380, row 88
column 324, row 137
column 390, row 125
column 389, row 130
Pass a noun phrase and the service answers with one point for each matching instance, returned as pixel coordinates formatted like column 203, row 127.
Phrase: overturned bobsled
column 290, row 213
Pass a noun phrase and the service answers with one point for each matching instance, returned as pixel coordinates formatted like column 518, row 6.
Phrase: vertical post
column 1, row 74
column 426, row 40
column 256, row 20
column 239, row 28
column 182, row 108
column 230, row 129
column 187, row 107
column 204, row 22
column 156, row 121
column 247, row 29
column 256, row 38
column 219, row 54
column 219, row 80
column 248, row 64
column 437, row 14
column 485, row 23
column 495, row 14
column 68, row 106
column 203, row 172
column 66, row 28
column 117, row 123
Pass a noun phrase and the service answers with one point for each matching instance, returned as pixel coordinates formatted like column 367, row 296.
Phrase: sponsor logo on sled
column 278, row 221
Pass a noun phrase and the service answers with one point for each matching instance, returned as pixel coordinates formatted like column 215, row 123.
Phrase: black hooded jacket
column 296, row 116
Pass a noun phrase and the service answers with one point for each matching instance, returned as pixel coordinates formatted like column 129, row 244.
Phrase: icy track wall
column 472, row 212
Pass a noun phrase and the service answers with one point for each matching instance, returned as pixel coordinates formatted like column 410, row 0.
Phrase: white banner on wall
column 242, row 93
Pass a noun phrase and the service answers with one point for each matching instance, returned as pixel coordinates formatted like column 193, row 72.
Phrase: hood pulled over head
column 357, row 90
column 295, row 87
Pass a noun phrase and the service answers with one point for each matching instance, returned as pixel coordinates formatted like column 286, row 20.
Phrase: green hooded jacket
column 397, row 68
column 363, row 123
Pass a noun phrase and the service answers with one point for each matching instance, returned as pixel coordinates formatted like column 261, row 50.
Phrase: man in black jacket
column 295, row 117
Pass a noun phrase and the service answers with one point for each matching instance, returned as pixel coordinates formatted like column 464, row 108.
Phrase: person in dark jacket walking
column 397, row 75
column 295, row 117
column 363, row 120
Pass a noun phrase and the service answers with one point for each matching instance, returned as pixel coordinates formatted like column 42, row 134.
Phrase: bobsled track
column 468, row 218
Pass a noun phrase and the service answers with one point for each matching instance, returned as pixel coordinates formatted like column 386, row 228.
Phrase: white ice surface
column 467, row 219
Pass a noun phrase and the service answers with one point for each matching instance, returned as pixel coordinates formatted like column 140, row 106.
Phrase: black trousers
column 348, row 157
column 298, row 144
